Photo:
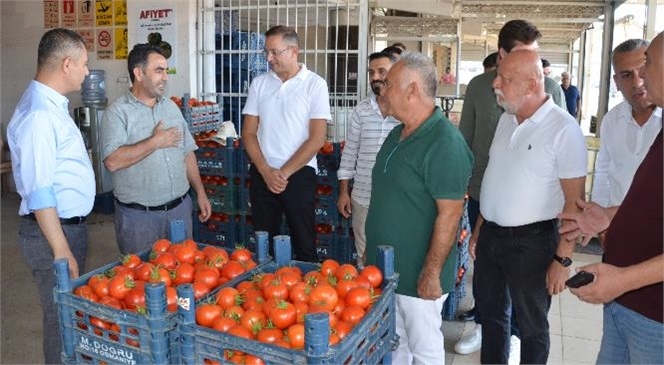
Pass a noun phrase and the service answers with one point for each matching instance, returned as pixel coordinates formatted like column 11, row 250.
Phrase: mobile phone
column 580, row 279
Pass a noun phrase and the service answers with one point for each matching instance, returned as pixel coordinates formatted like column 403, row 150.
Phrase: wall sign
column 158, row 26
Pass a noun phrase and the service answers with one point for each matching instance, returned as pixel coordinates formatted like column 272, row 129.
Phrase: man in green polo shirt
column 419, row 182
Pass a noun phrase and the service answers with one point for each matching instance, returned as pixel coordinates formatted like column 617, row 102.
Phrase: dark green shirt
column 432, row 163
column 479, row 118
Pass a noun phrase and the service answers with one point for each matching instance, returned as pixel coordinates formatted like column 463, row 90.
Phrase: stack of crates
column 241, row 60
column 463, row 237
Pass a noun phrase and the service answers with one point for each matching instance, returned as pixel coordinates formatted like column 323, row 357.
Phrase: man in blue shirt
column 572, row 95
column 53, row 172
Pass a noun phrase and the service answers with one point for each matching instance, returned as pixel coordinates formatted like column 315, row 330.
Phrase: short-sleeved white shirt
column 521, row 184
column 284, row 110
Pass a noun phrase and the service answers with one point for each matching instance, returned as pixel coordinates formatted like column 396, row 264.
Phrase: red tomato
column 135, row 298
column 171, row 299
column 85, row 291
column 342, row 329
column 269, row 335
column 352, row 314
column 253, row 360
column 131, row 261
column 183, row 273
column 240, row 331
column 228, row 297
column 343, row 286
column 295, row 334
column 100, row 286
column 346, row 272
column 360, row 297
column 276, row 289
column 299, row 292
column 223, row 324
column 241, row 254
column 329, row 267
column 283, row 315
column 143, row 271
column 232, row 269
column 234, row 312
column 323, row 297
column 185, row 253
column 373, row 274
column 200, row 290
column 119, row 286
column 253, row 319
column 164, row 259
column 301, row 309
column 207, row 275
column 206, row 313
column 161, row 245
column 160, row 274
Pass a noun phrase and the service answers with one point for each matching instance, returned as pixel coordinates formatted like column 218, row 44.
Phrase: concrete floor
column 576, row 327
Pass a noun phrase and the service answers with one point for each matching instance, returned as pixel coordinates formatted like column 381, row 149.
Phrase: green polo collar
column 428, row 124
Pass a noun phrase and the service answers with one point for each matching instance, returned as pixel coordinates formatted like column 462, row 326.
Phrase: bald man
column 629, row 281
column 537, row 168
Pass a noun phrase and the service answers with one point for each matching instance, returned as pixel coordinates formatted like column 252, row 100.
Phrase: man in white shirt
column 369, row 126
column 285, row 124
column 537, row 168
column 627, row 130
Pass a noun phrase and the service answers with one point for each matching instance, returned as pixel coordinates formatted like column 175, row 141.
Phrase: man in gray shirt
column 149, row 151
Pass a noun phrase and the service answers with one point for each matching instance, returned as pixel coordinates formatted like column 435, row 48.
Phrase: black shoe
column 468, row 315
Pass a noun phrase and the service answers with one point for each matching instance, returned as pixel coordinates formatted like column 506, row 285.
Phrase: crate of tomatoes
column 292, row 312
column 125, row 312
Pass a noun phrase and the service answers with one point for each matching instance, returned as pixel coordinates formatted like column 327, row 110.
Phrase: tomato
column 313, row 278
column 299, row 292
column 253, row 360
column 130, row 261
column 100, row 286
column 352, row 314
column 143, row 271
column 342, row 329
column 206, row 313
column 289, row 270
column 234, row 312
column 85, row 291
column 253, row 319
column 232, row 269
column 244, row 285
column 363, row 282
column 109, row 301
column 200, row 290
column 135, row 298
column 164, row 259
column 346, row 271
column 269, row 335
column 343, row 286
column 207, row 275
column 227, row 297
column 329, row 267
column 295, row 334
column 160, row 274
column 185, row 254
column 121, row 270
column 190, row 243
column 99, row 323
column 263, row 279
column 341, row 304
column 183, row 273
column 290, row 279
column 301, row 309
column 323, row 297
column 161, row 245
column 241, row 254
column 171, row 299
column 374, row 275
column 119, row 286
column 283, row 315
column 254, row 301
column 334, row 339
column 240, row 331
column 276, row 289
column 223, row 324
column 360, row 297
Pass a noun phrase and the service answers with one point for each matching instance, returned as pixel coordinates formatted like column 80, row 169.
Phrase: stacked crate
column 463, row 237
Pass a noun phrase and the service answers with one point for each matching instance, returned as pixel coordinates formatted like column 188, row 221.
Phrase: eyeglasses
column 274, row 52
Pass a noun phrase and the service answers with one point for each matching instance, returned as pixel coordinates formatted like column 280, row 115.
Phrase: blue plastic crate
column 326, row 246
column 216, row 161
column 236, row 81
column 232, row 109
column 328, row 165
column 326, row 210
column 139, row 339
column 246, row 232
column 346, row 252
column 244, row 202
column 370, row 342
column 218, row 234
column 454, row 299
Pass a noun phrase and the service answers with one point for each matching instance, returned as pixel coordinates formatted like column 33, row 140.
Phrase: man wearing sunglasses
column 285, row 124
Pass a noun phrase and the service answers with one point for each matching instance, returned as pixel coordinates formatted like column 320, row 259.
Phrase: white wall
column 22, row 25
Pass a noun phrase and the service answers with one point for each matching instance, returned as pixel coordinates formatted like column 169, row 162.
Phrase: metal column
column 607, row 46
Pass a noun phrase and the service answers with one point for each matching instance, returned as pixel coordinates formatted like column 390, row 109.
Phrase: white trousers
column 419, row 324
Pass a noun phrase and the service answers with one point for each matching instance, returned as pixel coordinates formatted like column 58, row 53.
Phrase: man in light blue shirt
column 53, row 172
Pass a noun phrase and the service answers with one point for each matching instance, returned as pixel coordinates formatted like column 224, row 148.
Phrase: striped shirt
column 366, row 133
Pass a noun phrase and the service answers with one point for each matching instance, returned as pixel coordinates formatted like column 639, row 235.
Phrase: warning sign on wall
column 51, row 14
column 104, row 13
column 86, row 12
column 120, row 12
column 121, row 41
column 68, row 13
column 104, row 41
column 89, row 38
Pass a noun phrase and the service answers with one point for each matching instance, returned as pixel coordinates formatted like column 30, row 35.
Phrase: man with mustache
column 149, row 151
column 537, row 168
column 629, row 280
column 368, row 127
column 628, row 129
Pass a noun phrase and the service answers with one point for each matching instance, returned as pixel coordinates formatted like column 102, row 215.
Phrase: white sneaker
column 472, row 342
column 515, row 351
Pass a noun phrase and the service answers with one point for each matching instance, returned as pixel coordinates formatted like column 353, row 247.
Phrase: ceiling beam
column 468, row 19
column 534, row 3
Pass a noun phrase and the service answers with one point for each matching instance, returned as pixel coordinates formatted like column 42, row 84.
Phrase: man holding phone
column 629, row 281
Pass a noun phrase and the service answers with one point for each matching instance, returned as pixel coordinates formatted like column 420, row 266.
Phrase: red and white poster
column 86, row 12
column 89, row 38
column 158, row 26
column 104, row 42
column 51, row 14
column 69, row 14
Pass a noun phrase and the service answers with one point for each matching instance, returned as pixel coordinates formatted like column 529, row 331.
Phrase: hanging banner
column 158, row 26
column 104, row 13
column 88, row 37
column 85, row 11
column 121, row 41
column 69, row 14
column 120, row 12
column 51, row 14
column 104, row 44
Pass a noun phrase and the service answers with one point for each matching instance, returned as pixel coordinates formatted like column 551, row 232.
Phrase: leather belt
column 527, row 229
column 164, row 207
column 66, row 221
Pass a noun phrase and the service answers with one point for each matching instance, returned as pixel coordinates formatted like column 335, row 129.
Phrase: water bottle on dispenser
column 93, row 90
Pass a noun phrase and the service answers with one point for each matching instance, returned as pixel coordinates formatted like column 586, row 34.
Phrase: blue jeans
column 137, row 230
column 630, row 338
column 473, row 213
column 511, row 269
column 38, row 256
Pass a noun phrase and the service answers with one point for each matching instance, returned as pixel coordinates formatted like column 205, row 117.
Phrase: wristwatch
column 565, row 261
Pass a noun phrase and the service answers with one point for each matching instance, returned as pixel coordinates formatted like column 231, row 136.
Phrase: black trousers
column 297, row 202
